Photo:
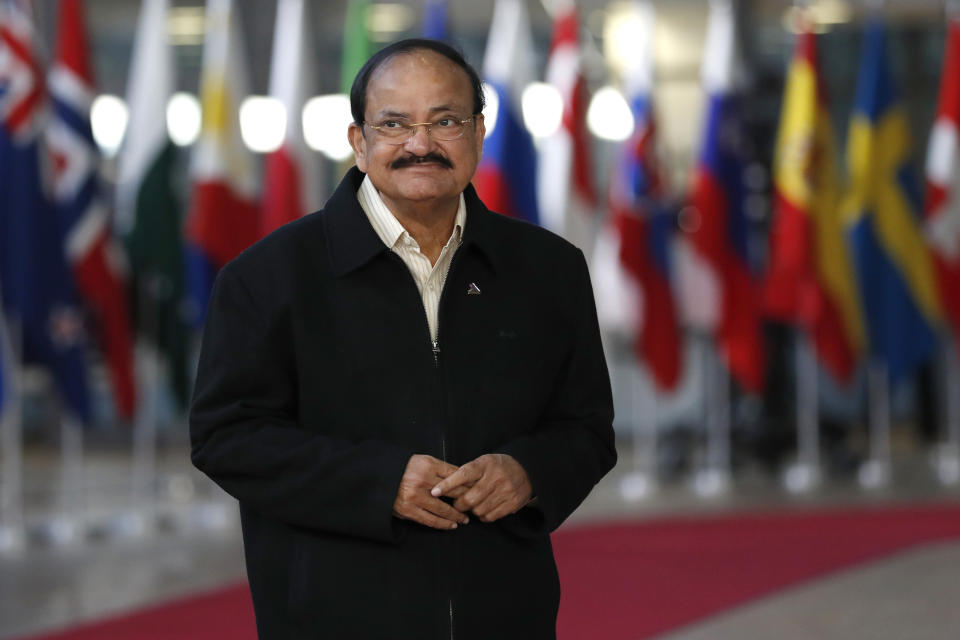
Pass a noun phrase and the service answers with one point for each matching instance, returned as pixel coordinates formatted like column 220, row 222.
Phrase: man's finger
column 445, row 469
column 477, row 494
column 442, row 509
column 505, row 508
column 489, row 503
column 456, row 492
column 465, row 475
column 424, row 517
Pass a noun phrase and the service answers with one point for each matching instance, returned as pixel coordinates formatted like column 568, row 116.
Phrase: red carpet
column 630, row 580
column 637, row 580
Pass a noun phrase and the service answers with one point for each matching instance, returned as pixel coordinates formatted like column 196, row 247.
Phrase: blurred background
column 767, row 194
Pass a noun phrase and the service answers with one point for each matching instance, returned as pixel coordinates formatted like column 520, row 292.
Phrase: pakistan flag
column 149, row 212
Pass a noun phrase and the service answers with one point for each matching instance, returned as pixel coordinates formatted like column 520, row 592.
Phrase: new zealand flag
column 38, row 293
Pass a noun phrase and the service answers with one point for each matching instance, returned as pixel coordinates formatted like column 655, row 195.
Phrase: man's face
column 419, row 86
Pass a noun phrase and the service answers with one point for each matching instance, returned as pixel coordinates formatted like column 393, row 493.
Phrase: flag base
column 712, row 482
column 12, row 540
column 945, row 460
column 802, row 477
column 637, row 485
column 874, row 474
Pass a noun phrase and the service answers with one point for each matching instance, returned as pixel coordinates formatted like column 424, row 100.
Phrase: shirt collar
column 352, row 242
column 388, row 228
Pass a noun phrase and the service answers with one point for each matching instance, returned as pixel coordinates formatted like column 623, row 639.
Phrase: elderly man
column 405, row 391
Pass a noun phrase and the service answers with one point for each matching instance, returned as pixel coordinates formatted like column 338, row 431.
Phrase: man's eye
column 445, row 123
column 391, row 124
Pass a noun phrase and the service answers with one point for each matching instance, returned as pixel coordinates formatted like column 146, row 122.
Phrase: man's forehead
column 419, row 66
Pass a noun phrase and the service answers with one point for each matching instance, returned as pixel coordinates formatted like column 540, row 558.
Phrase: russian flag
column 435, row 19
column 38, row 292
column 943, row 180
column 891, row 257
column 98, row 265
column 720, row 239
column 506, row 179
column 223, row 219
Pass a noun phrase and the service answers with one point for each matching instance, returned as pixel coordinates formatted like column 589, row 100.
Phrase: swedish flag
column 894, row 268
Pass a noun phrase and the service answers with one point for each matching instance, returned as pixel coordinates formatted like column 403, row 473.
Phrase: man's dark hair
column 358, row 92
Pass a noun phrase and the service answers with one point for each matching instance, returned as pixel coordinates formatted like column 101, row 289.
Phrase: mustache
column 411, row 160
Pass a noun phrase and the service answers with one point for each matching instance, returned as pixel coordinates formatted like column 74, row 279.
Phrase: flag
column 506, row 178
column 148, row 216
column 97, row 264
column 223, row 218
column 38, row 292
column 7, row 381
column 435, row 19
column 356, row 42
column 565, row 183
column 640, row 224
column 810, row 280
column 893, row 264
column 721, row 238
column 943, row 181
column 291, row 186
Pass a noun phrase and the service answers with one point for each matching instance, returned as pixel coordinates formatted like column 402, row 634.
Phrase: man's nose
column 420, row 139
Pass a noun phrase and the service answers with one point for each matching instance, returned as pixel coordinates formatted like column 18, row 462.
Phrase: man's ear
column 481, row 132
column 359, row 145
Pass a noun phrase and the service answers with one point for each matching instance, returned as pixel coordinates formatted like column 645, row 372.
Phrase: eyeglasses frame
column 412, row 127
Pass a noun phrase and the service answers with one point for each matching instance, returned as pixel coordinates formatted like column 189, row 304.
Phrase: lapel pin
column 473, row 289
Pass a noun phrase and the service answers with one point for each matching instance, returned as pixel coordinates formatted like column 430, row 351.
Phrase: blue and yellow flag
column 892, row 261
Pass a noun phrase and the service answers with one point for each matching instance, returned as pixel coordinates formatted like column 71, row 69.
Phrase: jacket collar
column 352, row 241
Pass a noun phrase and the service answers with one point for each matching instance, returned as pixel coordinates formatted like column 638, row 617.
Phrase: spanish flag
column 894, row 269
column 810, row 280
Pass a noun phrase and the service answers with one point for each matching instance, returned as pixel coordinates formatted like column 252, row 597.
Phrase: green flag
column 356, row 42
column 149, row 212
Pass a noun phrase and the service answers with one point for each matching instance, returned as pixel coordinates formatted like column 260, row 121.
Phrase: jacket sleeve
column 572, row 447
column 245, row 433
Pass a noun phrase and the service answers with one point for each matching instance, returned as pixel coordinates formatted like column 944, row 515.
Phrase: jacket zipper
column 450, row 602
column 443, row 411
column 435, row 350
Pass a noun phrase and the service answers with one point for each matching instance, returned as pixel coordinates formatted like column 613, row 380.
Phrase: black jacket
column 318, row 381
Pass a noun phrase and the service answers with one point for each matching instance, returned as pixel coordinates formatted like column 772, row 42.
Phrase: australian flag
column 38, row 293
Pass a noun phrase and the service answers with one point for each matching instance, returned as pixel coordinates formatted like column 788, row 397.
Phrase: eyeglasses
column 398, row 131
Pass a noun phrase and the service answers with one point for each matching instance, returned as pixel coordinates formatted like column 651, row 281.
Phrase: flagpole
column 12, row 530
column 713, row 478
column 642, row 479
column 138, row 518
column 67, row 526
column 805, row 474
column 946, row 457
column 875, row 472
column 144, row 464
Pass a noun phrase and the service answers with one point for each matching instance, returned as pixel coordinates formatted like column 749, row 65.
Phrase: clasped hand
column 490, row 487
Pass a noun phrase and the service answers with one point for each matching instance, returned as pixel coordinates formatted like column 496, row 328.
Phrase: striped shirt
column 429, row 278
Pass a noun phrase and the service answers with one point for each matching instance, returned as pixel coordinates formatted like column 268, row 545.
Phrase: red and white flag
column 943, row 181
column 292, row 183
column 566, row 191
